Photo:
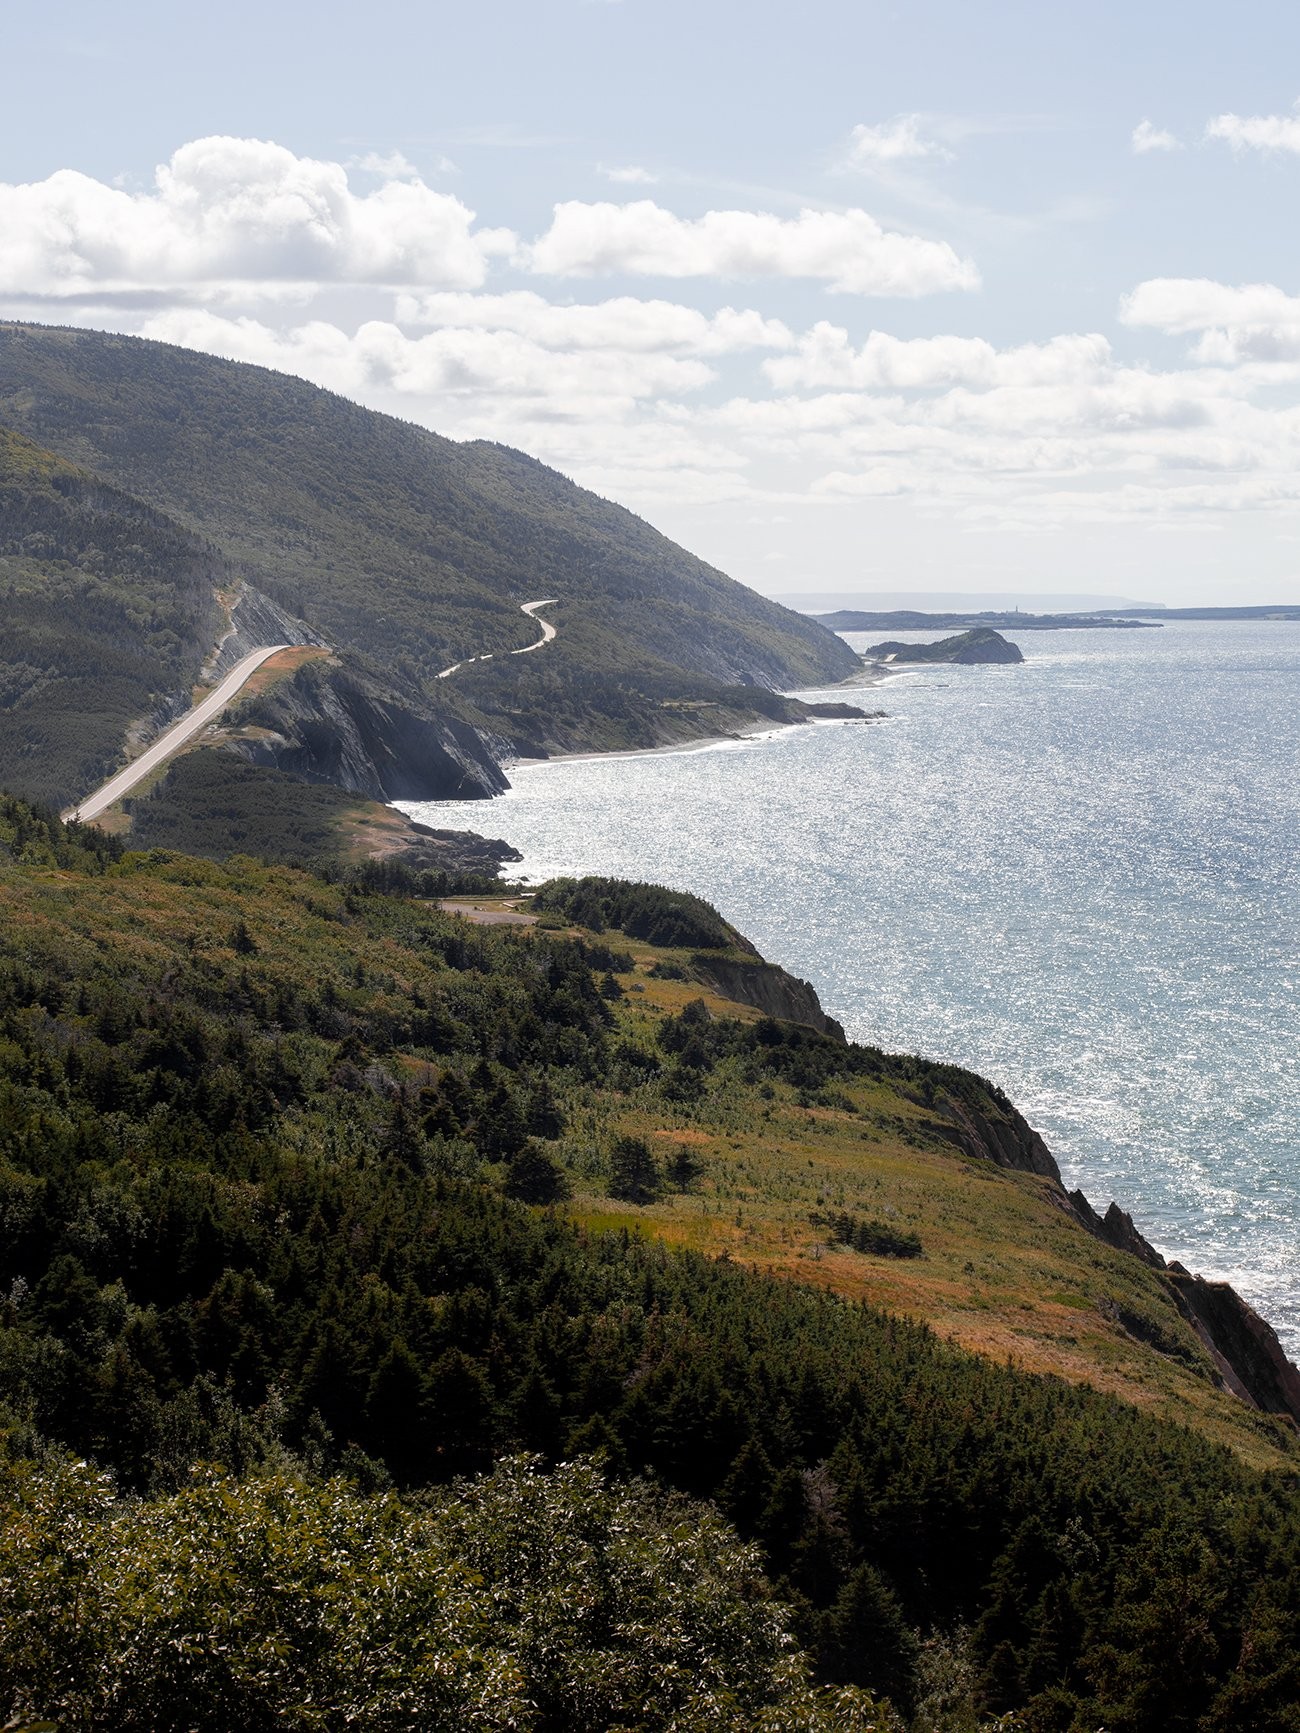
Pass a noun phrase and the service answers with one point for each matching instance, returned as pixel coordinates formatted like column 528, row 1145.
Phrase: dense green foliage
column 521, row 1601
column 654, row 913
column 33, row 836
column 255, row 1130
column 106, row 606
column 216, row 804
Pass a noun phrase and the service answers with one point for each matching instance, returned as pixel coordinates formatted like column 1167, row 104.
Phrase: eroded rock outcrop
column 330, row 724
column 256, row 621
column 1007, row 1140
column 767, row 988
column 1243, row 1347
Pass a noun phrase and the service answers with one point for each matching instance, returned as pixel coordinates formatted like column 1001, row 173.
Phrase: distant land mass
column 907, row 620
column 953, row 601
column 968, row 648
column 913, row 619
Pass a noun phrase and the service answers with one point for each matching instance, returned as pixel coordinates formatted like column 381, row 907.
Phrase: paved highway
column 207, row 710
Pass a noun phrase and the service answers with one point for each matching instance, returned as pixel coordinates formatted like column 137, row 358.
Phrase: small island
column 981, row 645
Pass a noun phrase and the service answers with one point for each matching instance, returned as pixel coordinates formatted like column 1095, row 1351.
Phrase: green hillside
column 107, row 606
column 413, row 550
column 289, row 1169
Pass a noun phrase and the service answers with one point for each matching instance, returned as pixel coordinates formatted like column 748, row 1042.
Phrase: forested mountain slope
column 409, row 548
column 107, row 608
column 275, row 1156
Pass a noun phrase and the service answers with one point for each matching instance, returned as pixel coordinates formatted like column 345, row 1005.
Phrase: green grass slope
column 106, row 607
column 409, row 548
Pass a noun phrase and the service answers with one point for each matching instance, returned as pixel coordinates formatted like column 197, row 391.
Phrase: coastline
column 1189, row 1215
column 876, row 675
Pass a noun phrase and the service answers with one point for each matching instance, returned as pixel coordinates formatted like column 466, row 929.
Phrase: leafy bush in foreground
column 521, row 1601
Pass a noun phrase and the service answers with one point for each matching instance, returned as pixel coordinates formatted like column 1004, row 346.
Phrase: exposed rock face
column 1244, row 1348
column 1008, row 1141
column 1117, row 1229
column 328, row 725
column 1240, row 1342
column 767, row 988
column 456, row 851
column 255, row 621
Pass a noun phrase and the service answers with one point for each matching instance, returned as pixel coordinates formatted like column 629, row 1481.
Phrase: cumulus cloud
column 1147, row 137
column 1181, row 304
column 1249, row 322
column 236, row 210
column 896, row 140
column 623, row 323
column 824, row 359
column 1040, row 435
column 379, row 356
column 1268, row 133
column 849, row 251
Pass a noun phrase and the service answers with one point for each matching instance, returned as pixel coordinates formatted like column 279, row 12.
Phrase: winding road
column 209, row 708
column 529, row 608
column 173, row 738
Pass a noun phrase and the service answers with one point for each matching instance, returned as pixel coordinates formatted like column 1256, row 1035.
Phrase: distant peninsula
column 982, row 644
column 909, row 620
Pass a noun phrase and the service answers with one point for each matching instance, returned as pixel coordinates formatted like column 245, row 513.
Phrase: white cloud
column 896, row 140
column 632, row 175
column 849, row 250
column 450, row 363
column 824, row 359
column 393, row 165
column 1247, row 323
column 228, row 210
column 1147, row 137
column 623, row 323
column 1262, row 132
column 1039, row 436
column 1181, row 304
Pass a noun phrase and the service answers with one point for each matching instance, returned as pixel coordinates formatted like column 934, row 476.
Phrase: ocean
column 1079, row 876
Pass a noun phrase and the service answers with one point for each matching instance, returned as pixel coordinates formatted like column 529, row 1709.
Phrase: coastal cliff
column 1242, row 1345
column 1247, row 1358
column 332, row 724
column 767, row 988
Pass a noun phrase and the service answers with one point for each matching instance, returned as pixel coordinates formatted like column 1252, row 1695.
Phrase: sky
column 848, row 298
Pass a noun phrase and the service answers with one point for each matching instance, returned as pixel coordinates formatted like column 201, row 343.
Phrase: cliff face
column 255, row 621
column 1244, row 1348
column 767, row 988
column 1007, row 1140
column 328, row 724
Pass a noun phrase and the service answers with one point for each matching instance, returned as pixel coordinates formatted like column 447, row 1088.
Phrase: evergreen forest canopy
column 285, row 1318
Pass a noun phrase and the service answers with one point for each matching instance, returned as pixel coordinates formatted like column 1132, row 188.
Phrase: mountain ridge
column 406, row 552
column 167, row 434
